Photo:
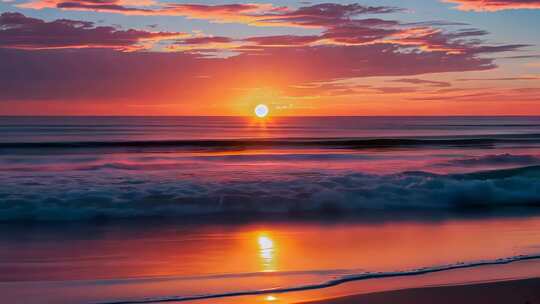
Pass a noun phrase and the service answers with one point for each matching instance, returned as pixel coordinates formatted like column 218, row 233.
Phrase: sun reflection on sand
column 267, row 252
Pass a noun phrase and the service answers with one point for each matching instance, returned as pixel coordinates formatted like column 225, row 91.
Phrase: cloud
column 114, row 6
column 376, row 31
column 210, row 46
column 501, row 95
column 502, row 78
column 324, row 15
column 21, row 32
column 260, row 14
column 56, row 74
column 434, row 39
column 206, row 40
column 352, row 49
column 283, row 40
column 338, row 32
column 439, row 84
column 495, row 5
column 340, row 24
column 537, row 56
column 233, row 13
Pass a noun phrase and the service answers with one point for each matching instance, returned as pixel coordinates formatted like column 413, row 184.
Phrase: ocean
column 146, row 209
column 72, row 168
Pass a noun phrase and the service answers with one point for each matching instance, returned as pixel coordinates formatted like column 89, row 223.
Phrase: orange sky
column 321, row 59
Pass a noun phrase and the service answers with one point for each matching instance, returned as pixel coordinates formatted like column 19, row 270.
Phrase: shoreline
column 363, row 291
column 518, row 291
column 334, row 282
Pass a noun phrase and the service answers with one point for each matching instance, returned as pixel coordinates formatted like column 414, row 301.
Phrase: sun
column 261, row 110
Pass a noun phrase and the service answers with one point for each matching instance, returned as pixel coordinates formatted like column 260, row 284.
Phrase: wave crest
column 60, row 197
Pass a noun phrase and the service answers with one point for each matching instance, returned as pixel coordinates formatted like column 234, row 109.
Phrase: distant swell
column 333, row 282
column 357, row 143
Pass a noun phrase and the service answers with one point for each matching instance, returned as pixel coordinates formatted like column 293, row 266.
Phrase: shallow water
column 89, row 263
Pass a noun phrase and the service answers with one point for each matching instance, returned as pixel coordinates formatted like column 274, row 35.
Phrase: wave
column 84, row 195
column 333, row 282
column 494, row 160
column 353, row 143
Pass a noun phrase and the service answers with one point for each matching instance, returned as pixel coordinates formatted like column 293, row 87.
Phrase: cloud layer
column 20, row 32
column 330, row 49
column 261, row 14
column 495, row 5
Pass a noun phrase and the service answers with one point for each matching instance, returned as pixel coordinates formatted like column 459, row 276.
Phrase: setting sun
column 261, row 110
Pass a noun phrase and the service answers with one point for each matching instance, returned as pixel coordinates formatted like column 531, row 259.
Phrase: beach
column 507, row 292
column 237, row 261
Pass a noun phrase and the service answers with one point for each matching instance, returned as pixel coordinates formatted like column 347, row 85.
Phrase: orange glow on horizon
column 313, row 108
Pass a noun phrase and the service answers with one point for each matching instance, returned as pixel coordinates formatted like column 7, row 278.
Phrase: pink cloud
column 240, row 13
column 431, row 83
column 502, row 95
column 339, row 22
column 49, row 73
column 258, row 14
column 495, row 5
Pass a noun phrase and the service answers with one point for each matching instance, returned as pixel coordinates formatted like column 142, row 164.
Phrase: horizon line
column 276, row 116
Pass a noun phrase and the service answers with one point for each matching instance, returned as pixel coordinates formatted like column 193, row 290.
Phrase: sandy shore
column 525, row 291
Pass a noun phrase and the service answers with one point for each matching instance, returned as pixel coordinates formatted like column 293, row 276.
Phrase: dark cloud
column 501, row 78
column 522, row 57
column 99, row 6
column 435, row 39
column 19, row 31
column 283, row 40
column 326, row 14
column 206, row 40
column 361, row 31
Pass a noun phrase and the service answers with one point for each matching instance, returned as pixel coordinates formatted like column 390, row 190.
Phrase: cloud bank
column 20, row 32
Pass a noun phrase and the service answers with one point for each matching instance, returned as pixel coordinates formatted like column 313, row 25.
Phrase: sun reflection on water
column 267, row 252
column 270, row 298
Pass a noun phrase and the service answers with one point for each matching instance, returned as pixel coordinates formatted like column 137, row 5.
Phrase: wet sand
column 525, row 291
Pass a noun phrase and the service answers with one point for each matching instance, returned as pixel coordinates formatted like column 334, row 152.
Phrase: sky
column 166, row 57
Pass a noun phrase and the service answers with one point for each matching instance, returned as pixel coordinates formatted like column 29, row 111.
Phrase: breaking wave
column 116, row 194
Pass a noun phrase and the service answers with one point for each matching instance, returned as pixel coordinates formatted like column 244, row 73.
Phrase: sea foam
column 117, row 193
